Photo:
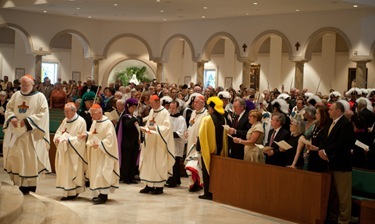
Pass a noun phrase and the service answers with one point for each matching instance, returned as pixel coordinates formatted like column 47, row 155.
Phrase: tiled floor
column 127, row 205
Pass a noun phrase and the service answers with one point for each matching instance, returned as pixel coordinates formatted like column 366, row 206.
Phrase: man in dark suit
column 274, row 156
column 89, row 87
column 339, row 141
column 239, row 128
column 368, row 115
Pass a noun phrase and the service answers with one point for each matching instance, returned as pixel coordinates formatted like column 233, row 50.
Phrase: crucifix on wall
column 297, row 46
column 244, row 46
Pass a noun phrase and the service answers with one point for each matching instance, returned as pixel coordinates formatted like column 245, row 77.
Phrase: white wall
column 6, row 61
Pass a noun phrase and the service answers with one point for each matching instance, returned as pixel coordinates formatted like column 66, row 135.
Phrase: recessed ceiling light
column 247, row 14
column 355, row 6
column 164, row 20
column 203, row 17
column 161, row 11
column 205, row 7
column 255, row 3
column 297, row 10
column 115, row 4
column 89, row 17
column 157, row 0
column 78, row 8
column 44, row 11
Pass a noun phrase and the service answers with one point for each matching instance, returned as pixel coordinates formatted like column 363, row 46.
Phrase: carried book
column 283, row 144
column 113, row 115
column 362, row 145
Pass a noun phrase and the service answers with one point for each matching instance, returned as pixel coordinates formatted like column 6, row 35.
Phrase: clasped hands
column 14, row 122
column 268, row 150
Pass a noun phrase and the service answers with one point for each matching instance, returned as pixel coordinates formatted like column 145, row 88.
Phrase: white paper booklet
column 283, row 144
column 113, row 115
column 226, row 127
column 362, row 145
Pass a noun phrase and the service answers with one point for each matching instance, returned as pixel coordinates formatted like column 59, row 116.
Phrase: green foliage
column 126, row 75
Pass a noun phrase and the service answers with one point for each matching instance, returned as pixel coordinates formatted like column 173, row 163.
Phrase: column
column 38, row 66
column 95, row 70
column 200, row 72
column 246, row 71
column 361, row 74
column 159, row 71
column 298, row 74
column 326, row 78
column 274, row 76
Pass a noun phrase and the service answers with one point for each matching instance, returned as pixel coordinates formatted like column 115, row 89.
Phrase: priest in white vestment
column 102, row 154
column 157, row 154
column 193, row 163
column 26, row 139
column 70, row 160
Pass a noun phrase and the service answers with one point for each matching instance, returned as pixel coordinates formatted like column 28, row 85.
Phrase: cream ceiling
column 179, row 10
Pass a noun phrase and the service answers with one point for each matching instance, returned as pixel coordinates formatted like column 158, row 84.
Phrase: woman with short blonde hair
column 254, row 136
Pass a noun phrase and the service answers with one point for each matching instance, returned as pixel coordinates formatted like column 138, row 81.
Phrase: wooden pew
column 295, row 195
column 363, row 194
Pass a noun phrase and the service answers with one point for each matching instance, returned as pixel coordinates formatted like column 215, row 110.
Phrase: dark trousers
column 175, row 179
column 128, row 164
column 206, row 180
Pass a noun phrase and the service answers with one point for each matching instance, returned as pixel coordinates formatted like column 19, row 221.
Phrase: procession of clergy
column 187, row 127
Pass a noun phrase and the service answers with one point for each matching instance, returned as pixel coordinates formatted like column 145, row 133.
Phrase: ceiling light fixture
column 205, row 7
column 255, row 3
column 157, row 0
column 164, row 20
column 89, row 17
column 78, row 8
column 115, row 4
column 297, row 10
column 355, row 6
column 203, row 17
column 44, row 11
column 161, row 11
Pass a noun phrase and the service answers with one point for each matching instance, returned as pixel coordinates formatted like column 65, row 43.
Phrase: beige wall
column 113, row 42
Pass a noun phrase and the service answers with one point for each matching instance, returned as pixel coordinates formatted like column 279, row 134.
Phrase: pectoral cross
column 65, row 131
column 94, row 132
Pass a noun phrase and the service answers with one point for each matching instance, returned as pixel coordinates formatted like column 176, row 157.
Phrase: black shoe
column 127, row 182
column 146, row 190
column 25, row 190
column 134, row 182
column 101, row 199
column 205, row 196
column 170, row 185
column 157, row 190
column 69, row 198
column 195, row 188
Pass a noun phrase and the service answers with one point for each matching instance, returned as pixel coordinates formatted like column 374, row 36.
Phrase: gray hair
column 362, row 103
column 310, row 110
column 241, row 101
column 300, row 125
column 71, row 106
column 79, row 100
column 280, row 117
